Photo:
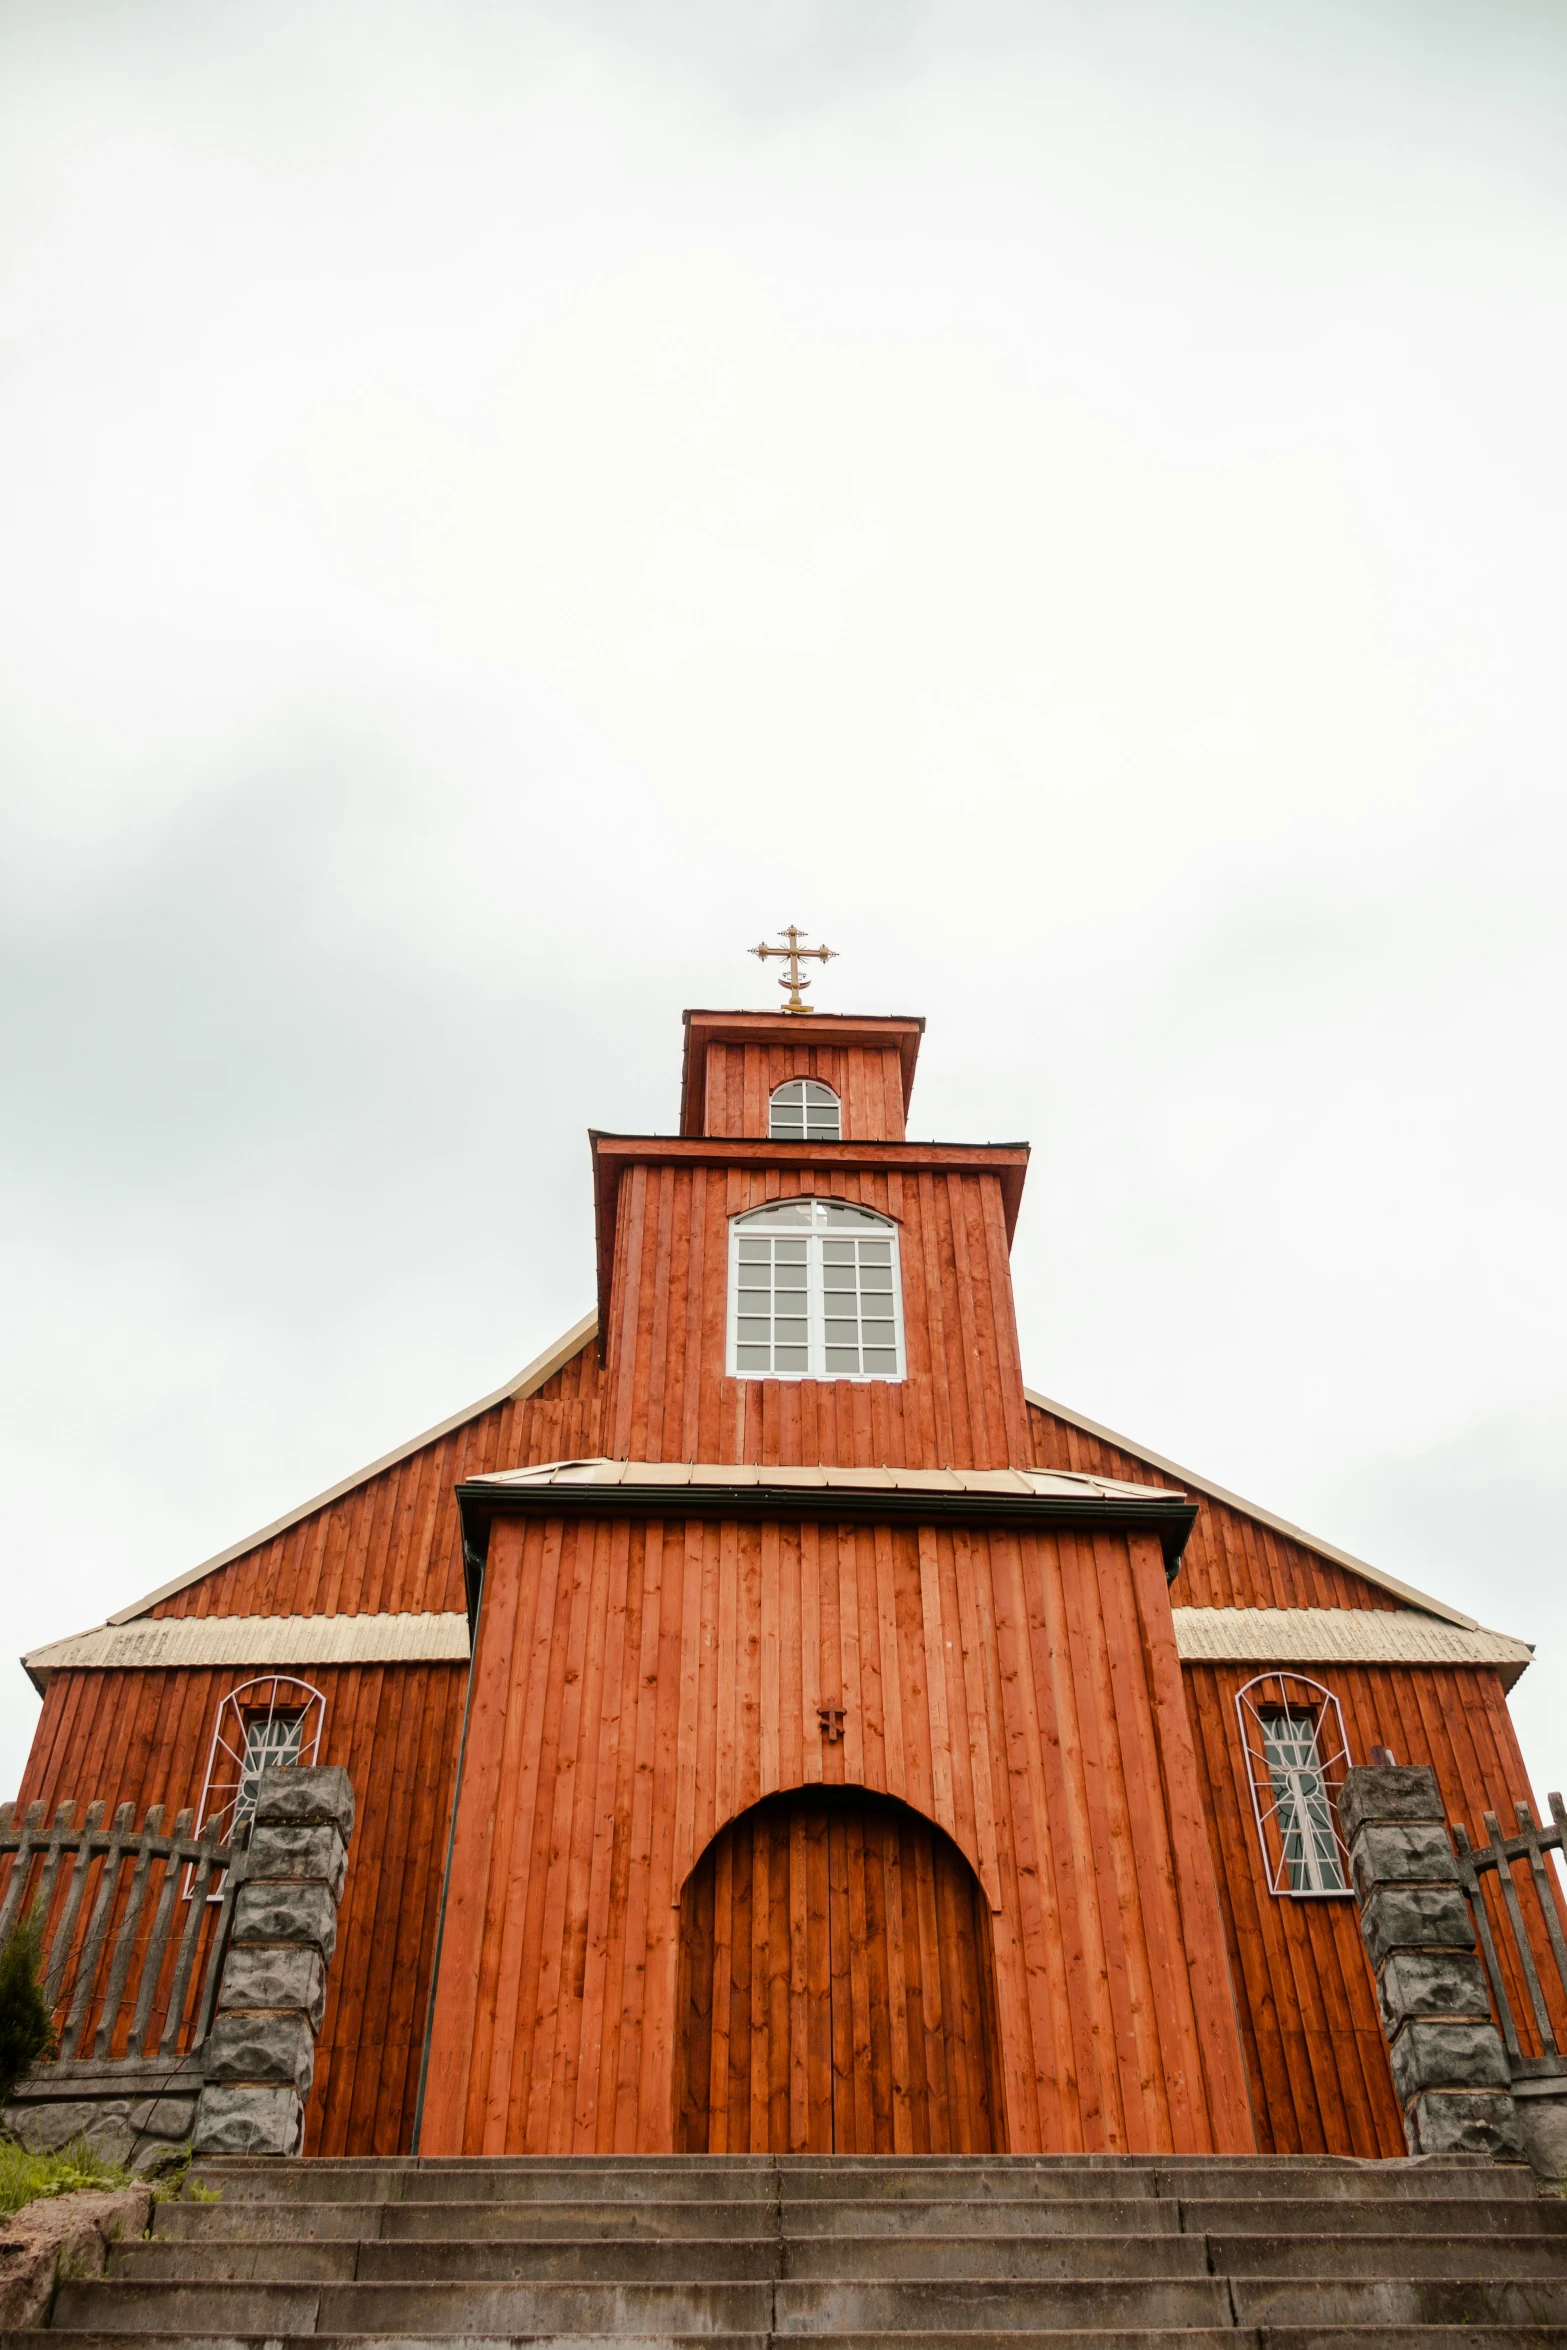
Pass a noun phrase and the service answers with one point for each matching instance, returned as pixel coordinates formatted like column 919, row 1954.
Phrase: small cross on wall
column 831, row 1719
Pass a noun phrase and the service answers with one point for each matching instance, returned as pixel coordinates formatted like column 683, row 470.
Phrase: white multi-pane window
column 814, row 1293
column 1293, row 1732
column 803, row 1111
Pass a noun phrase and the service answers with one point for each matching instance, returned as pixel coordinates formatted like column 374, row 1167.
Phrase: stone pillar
column 1449, row 2066
column 261, row 2052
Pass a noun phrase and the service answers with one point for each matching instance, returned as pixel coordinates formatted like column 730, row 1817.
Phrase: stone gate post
column 260, row 2055
column 1449, row 2066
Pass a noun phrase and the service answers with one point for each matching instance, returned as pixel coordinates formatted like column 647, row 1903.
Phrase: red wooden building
column 775, row 1726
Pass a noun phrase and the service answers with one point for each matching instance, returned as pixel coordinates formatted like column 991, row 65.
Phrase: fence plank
column 21, row 1867
column 157, row 1942
column 196, row 1895
column 1531, row 1974
column 65, row 1930
column 125, row 1940
column 98, row 1926
column 1482, row 1919
column 1543, row 1887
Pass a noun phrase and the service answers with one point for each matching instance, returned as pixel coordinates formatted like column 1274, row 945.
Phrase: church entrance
column 835, row 1986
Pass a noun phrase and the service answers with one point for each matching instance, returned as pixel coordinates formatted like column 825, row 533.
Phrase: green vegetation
column 27, row 2178
column 26, row 2033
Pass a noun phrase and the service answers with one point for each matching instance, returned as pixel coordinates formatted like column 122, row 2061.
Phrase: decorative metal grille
column 1292, row 1731
column 270, row 1720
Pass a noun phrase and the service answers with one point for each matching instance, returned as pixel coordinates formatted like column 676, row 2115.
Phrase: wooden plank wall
column 1315, row 2055
column 390, row 1545
column 961, row 1405
column 868, row 1080
column 1314, row 2046
column 640, row 1685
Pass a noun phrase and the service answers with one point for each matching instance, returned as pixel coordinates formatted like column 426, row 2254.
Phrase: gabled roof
column 543, row 1368
column 1188, row 1477
column 527, row 1382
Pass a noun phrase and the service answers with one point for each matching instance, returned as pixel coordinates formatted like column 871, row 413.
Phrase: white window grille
column 803, row 1111
column 1292, row 1730
column 263, row 1723
column 814, row 1293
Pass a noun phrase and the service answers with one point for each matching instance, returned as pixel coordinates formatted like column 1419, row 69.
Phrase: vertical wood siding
column 742, row 1078
column 639, row 1685
column 1315, row 2056
column 836, row 1991
column 390, row 1545
column 962, row 1404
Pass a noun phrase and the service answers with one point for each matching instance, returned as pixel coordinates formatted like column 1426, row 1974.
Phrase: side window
column 814, row 1293
column 1296, row 1756
column 262, row 1723
column 803, row 1111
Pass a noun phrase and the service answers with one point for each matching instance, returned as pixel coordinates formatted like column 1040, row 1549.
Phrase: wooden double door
column 835, row 1992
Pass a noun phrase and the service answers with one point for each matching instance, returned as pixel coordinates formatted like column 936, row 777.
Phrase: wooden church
column 776, row 1727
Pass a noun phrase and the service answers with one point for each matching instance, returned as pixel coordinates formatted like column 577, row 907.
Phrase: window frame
column 1295, row 1694
column 826, row 1212
column 805, row 1084
column 262, row 1700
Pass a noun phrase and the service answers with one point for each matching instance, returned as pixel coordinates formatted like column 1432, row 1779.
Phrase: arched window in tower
column 1296, row 1757
column 803, row 1111
column 814, row 1293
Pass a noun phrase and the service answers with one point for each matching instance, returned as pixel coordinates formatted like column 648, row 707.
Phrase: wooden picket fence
column 1492, row 1864
column 135, row 1927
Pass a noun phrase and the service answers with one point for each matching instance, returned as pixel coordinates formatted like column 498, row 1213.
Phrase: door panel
column 835, row 1987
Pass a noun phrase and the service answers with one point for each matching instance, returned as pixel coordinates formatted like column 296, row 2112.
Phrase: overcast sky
column 502, row 505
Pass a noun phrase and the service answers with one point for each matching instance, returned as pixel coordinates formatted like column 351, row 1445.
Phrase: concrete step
column 1128, row 2258
column 1319, row 2302
column 1443, row 2215
column 405, row 2311
column 1479, row 2258
column 256, row 2222
column 1440, row 2337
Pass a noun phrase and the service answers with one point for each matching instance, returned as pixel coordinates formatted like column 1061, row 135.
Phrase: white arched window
column 272, row 1720
column 803, row 1111
column 1296, row 1757
column 814, row 1293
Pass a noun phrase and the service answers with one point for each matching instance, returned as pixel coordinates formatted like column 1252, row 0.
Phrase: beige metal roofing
column 1067, row 1483
column 257, row 1640
column 1340, row 1635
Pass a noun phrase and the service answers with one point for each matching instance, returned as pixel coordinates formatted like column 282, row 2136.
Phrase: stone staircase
column 995, row 2253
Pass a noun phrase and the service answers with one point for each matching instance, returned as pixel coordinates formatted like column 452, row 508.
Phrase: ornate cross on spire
column 794, row 954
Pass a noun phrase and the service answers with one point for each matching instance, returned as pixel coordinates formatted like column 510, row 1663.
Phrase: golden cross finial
column 793, row 954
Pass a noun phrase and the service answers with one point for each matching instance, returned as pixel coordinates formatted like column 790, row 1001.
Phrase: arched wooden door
column 835, row 1986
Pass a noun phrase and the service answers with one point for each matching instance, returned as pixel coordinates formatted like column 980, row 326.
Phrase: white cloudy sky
column 502, row 504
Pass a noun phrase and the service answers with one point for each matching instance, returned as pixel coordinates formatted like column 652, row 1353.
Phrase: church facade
column 777, row 1727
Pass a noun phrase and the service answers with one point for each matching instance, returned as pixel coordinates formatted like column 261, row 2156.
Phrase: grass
column 25, row 2178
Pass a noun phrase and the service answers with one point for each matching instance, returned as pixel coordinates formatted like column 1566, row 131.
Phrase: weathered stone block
column 272, row 1912
column 1399, row 1795
column 302, row 1796
column 1431, row 1983
column 1411, row 1917
column 1464, row 2122
column 249, row 2121
column 314, row 1855
column 1543, row 2124
column 1431, row 2054
column 64, row 2235
column 245, row 2046
column 269, row 1975
column 1417, row 1853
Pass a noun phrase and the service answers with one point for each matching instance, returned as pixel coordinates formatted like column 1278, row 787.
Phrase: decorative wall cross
column 794, row 954
column 831, row 1717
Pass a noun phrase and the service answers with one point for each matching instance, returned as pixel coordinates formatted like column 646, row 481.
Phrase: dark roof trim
column 481, row 1503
